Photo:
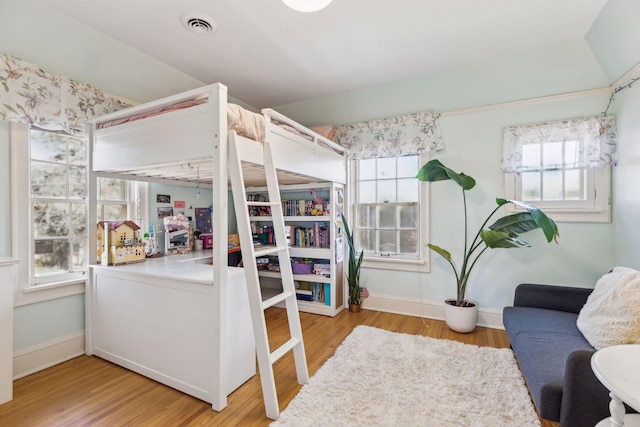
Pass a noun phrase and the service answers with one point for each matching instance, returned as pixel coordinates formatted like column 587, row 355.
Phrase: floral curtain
column 29, row 94
column 594, row 139
column 394, row 137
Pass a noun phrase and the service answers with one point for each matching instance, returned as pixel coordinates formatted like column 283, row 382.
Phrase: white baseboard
column 489, row 318
column 44, row 355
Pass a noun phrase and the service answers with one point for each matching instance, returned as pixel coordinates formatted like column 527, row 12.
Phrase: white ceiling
column 268, row 54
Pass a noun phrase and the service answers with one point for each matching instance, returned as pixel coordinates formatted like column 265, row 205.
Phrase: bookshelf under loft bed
column 180, row 319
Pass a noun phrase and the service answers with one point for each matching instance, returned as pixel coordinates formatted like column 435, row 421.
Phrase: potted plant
column 503, row 233
column 353, row 269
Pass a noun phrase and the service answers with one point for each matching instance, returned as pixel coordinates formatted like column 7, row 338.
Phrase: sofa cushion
column 531, row 319
column 611, row 315
column 542, row 357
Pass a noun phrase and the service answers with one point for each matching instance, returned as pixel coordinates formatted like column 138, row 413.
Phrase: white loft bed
column 189, row 145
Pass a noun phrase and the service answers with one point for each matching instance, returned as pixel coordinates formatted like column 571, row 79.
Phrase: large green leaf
column 501, row 239
column 546, row 224
column 515, row 224
column 434, row 170
column 442, row 252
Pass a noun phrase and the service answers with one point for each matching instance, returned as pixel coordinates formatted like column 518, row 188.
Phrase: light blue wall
column 614, row 40
column 557, row 69
column 626, row 180
column 614, row 36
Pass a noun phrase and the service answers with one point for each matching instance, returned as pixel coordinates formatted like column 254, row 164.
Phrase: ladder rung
column 283, row 349
column 250, row 203
column 275, row 299
column 270, row 250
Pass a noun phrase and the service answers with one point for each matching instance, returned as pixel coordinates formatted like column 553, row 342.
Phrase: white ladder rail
column 266, row 358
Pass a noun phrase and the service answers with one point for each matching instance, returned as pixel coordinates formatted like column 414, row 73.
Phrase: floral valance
column 393, row 137
column 589, row 142
column 29, row 94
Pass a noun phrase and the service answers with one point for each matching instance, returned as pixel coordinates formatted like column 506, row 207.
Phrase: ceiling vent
column 199, row 23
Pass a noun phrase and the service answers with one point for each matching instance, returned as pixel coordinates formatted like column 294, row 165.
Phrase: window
column 389, row 212
column 553, row 177
column 49, row 209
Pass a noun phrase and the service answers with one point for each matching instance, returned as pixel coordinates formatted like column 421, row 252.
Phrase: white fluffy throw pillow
column 611, row 315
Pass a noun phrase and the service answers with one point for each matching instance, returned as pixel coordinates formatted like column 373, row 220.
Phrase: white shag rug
column 382, row 378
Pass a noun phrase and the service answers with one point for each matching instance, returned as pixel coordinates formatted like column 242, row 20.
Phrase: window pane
column 409, row 242
column 79, row 254
column 573, row 185
column 79, row 219
column 571, row 155
column 408, row 190
column 387, row 216
column 408, row 217
column 387, row 241
column 77, row 183
column 112, row 189
column 386, row 168
column 531, row 156
column 552, row 185
column 48, row 146
column 366, row 217
column 531, row 186
column 50, row 257
column 367, row 192
column 50, row 219
column 48, row 180
column 408, row 166
column 386, row 191
column 114, row 212
column 366, row 240
column 367, row 169
column 77, row 150
column 552, row 155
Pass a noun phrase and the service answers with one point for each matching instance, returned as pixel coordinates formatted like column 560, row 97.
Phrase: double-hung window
column 562, row 167
column 390, row 207
column 50, row 211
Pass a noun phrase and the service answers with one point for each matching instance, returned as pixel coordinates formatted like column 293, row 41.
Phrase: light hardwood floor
column 88, row 391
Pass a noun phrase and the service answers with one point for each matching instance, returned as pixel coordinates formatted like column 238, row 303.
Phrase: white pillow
column 611, row 314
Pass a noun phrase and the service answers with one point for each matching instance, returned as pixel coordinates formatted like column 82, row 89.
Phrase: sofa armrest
column 551, row 297
column 585, row 401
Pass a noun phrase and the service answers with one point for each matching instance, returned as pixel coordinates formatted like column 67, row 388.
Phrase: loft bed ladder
column 266, row 358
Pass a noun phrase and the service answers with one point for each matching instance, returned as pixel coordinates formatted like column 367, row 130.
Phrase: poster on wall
column 203, row 220
column 163, row 198
column 164, row 212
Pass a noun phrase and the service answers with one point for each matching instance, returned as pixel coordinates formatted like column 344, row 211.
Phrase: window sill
column 46, row 292
column 396, row 264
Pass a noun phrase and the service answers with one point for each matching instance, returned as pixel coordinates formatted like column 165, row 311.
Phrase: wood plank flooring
column 89, row 391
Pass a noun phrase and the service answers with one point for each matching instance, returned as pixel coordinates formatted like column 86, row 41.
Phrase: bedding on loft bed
column 241, row 120
column 244, row 122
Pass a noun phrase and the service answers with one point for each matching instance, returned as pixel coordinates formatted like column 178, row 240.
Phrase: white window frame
column 420, row 264
column 26, row 291
column 596, row 207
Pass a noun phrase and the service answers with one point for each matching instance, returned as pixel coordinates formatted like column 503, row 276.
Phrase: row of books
column 304, row 207
column 290, row 207
column 317, row 236
column 315, row 292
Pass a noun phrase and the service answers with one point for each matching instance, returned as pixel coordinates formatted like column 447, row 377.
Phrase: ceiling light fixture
column 199, row 23
column 307, row 5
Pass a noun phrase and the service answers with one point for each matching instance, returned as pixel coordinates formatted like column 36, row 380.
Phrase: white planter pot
column 460, row 319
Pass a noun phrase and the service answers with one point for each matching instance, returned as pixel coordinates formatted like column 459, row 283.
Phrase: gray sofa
column 554, row 357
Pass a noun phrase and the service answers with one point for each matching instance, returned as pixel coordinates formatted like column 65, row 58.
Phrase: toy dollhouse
column 119, row 243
